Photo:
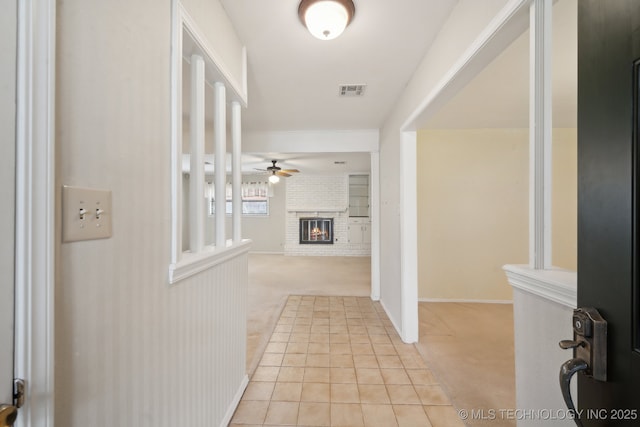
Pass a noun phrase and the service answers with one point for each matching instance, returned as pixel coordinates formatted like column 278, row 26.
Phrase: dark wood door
column 608, row 201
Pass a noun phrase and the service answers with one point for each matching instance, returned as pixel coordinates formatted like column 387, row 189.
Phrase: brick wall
column 325, row 197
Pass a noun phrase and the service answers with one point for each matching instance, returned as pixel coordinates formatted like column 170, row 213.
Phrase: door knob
column 589, row 345
column 8, row 415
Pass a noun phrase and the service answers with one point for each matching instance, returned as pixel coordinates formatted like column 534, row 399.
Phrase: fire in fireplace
column 316, row 230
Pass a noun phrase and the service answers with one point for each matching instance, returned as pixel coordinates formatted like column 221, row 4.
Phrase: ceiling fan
column 277, row 171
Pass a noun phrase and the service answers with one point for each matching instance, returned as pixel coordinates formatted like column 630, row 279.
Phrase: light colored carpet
column 469, row 346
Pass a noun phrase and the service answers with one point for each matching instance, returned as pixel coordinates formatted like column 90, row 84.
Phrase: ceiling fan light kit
column 277, row 172
column 326, row 19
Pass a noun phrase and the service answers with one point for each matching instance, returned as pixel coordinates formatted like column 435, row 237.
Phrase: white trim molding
column 409, row 238
column 556, row 284
column 35, row 209
column 235, row 402
column 209, row 257
column 374, row 211
column 467, row 301
column 504, row 28
column 540, row 108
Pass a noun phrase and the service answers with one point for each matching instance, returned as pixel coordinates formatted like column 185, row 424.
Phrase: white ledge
column 557, row 285
column 192, row 264
column 337, row 210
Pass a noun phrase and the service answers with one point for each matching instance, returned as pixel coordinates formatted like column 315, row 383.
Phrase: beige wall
column 472, row 211
column 473, row 197
column 564, row 201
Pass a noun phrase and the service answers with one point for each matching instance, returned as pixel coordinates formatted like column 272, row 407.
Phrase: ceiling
column 293, row 78
column 309, row 163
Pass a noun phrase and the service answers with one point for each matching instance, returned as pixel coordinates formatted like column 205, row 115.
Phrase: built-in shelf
column 358, row 195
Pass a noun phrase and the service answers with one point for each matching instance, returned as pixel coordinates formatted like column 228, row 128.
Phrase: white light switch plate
column 86, row 214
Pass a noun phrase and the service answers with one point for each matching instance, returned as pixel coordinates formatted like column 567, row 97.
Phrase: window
column 255, row 200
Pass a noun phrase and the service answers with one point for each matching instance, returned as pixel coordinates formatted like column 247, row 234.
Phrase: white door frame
column 504, row 28
column 35, row 209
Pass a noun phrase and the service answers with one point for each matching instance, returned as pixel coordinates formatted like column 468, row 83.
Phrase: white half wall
column 543, row 303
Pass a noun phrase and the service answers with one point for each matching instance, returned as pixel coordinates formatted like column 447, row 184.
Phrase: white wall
column 211, row 18
column 130, row 350
column 268, row 233
column 466, row 22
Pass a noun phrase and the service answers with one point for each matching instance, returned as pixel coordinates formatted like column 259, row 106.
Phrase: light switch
column 86, row 214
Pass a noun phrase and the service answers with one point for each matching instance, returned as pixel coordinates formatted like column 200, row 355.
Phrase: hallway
column 483, row 378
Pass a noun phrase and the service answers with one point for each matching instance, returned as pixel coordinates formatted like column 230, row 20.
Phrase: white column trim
column 409, row 238
column 196, row 168
column 540, row 134
column 374, row 211
column 236, row 169
column 220, row 142
column 176, row 132
column 35, row 209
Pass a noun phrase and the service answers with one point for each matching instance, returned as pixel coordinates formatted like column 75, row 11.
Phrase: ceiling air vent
column 351, row 90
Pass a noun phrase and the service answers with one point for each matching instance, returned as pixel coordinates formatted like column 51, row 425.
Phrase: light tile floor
column 338, row 361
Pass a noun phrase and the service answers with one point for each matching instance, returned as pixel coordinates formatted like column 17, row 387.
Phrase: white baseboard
column 478, row 301
column 266, row 253
column 235, row 402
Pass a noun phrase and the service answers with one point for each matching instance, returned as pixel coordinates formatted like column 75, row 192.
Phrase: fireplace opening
column 316, row 230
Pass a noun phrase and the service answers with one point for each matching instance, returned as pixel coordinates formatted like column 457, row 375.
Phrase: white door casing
column 35, row 209
column 8, row 47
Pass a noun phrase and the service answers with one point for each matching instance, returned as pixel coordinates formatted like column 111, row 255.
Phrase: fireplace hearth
column 316, row 231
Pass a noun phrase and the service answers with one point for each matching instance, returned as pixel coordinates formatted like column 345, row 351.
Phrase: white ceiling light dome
column 326, row 19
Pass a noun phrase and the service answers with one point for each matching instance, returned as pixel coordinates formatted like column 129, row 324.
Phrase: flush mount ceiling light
column 326, row 19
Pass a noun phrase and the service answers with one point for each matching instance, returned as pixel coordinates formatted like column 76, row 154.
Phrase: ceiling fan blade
column 258, row 169
column 290, row 170
column 280, row 173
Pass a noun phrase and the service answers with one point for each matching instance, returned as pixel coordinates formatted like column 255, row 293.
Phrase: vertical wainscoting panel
column 142, row 354
column 210, row 343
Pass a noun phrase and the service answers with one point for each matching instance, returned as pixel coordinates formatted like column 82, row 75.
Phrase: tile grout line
column 399, row 380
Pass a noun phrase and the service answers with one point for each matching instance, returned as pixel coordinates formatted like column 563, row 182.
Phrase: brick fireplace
column 319, row 198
